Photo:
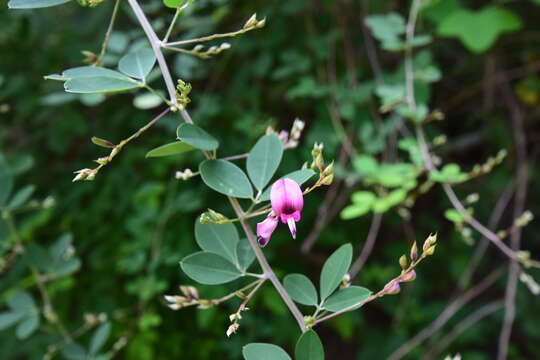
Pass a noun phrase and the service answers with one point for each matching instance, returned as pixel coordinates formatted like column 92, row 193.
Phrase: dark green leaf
column 263, row 160
column 137, row 63
column 335, row 267
column 346, row 297
column 196, row 137
column 220, row 239
column 260, row 351
column 86, row 71
column 174, row 148
column 309, row 347
column 7, row 319
column 245, row 254
column 99, row 84
column 21, row 197
column 226, row 178
column 6, row 180
column 34, row 4
column 27, row 326
column 301, row 289
column 99, row 338
column 73, row 351
column 208, row 268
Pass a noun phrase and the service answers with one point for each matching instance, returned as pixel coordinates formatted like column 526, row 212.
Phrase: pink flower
column 265, row 229
column 287, row 202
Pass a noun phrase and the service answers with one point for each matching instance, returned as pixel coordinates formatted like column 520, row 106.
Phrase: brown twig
column 450, row 310
column 520, row 144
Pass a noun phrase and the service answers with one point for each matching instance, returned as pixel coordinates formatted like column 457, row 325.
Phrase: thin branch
column 108, row 33
column 268, row 272
column 368, row 245
column 520, row 144
column 451, row 309
column 209, row 37
column 462, row 326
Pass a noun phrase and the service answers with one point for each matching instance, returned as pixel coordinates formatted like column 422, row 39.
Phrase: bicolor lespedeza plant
column 257, row 202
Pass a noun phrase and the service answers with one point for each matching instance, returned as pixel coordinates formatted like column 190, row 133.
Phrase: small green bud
column 403, row 261
column 414, row 252
column 102, row 142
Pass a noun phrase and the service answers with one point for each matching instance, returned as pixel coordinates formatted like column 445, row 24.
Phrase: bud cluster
column 253, row 23
column 182, row 93
column 289, row 139
column 185, row 175
column 490, row 163
column 190, row 297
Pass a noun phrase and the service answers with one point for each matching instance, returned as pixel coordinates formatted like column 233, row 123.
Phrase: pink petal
column 265, row 230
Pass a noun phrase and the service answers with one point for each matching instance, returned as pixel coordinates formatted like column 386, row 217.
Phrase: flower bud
column 392, row 288
column 410, row 276
column 414, row 252
column 403, row 261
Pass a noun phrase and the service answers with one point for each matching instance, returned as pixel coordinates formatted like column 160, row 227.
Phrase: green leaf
column 245, row 254
column 301, row 289
column 454, row 216
column 22, row 302
column 208, row 268
column 73, row 351
column 220, row 239
column 147, row 101
column 6, row 181
column 478, row 30
column 309, row 347
column 365, row 164
column 196, row 137
column 263, row 160
column 99, row 337
column 99, row 84
column 7, row 319
column 346, row 297
column 174, row 148
column 21, row 197
column 300, row 176
column 226, row 178
column 386, row 27
column 261, row 351
column 27, row 327
column 173, row 4
column 63, row 262
column 86, row 71
column 354, row 211
column 34, row 4
column 335, row 267
column 138, row 63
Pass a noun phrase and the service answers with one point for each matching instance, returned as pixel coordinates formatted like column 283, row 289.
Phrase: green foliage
column 196, row 137
column 175, row 148
column 346, row 297
column 263, row 160
column 309, row 347
column 478, row 30
column 138, row 63
column 301, row 289
column 260, row 351
column 335, row 267
column 226, row 178
column 209, row 268
column 33, row 4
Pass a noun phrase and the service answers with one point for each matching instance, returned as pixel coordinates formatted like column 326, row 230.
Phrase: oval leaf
column 99, row 84
column 27, row 327
column 309, row 347
column 334, row 268
column 346, row 297
column 9, row 318
column 300, row 176
column 86, row 71
column 34, row 4
column 226, row 178
column 220, row 239
column 263, row 160
column 260, row 351
column 137, row 63
column 208, row 268
column 245, row 254
column 99, row 338
column 174, row 148
column 197, row 137
column 301, row 289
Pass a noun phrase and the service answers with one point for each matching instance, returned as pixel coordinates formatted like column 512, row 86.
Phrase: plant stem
column 171, row 26
column 268, row 272
column 208, row 38
column 108, row 33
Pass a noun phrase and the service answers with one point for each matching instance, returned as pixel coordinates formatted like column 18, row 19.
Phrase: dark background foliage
column 134, row 223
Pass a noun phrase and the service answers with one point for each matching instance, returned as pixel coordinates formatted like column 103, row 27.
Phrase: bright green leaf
column 209, row 269
column 226, row 178
column 301, row 289
column 174, row 148
column 335, row 267
column 263, row 160
column 355, row 210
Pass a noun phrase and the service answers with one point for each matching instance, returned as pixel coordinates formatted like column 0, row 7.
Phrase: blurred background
column 315, row 60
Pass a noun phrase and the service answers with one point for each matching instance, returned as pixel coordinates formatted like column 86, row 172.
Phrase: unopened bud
column 102, row 142
column 189, row 291
column 252, row 21
column 403, row 261
column 410, row 276
column 432, row 239
column 430, row 251
column 232, row 329
column 261, row 23
column 414, row 252
column 392, row 288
